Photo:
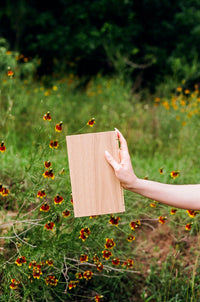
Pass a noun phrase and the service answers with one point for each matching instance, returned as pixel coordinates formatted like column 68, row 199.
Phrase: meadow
column 148, row 253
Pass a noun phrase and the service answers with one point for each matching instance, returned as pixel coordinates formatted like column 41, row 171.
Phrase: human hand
column 123, row 170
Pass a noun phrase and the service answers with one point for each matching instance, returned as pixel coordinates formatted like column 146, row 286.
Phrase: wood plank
column 95, row 188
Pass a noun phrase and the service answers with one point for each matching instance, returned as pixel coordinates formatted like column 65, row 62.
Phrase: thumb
column 111, row 160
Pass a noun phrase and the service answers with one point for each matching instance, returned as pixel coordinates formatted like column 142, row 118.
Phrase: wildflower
column 166, row 105
column 106, row 254
column 173, row 211
column 54, row 88
column 192, row 213
column 32, row 264
column 179, row 89
column 84, row 233
column 83, row 258
column 49, row 226
column 10, row 73
column 51, row 280
column 130, row 238
column 153, row 205
column 62, row 171
column 45, row 207
column 4, row 191
column 91, row 122
column 71, row 200
column 129, row 263
column 161, row 170
column 58, row 199
column 2, row 147
column 14, row 284
column 72, row 284
column 109, row 243
column 47, row 116
column 98, row 298
column 87, row 275
column 135, row 224
column 79, row 276
column 53, row 144
column 20, row 260
column 66, row 213
column 187, row 91
column 49, row 174
column 41, row 193
column 49, row 262
column 157, row 100
column 188, row 226
column 95, row 258
column 162, row 219
column 174, row 174
column 58, row 127
column 99, row 266
column 93, row 216
column 47, row 164
column 115, row 261
column 114, row 220
column 37, row 272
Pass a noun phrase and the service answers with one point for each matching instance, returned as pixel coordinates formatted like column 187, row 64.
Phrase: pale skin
column 179, row 196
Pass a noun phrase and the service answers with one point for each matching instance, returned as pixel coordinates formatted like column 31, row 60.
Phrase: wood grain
column 95, row 188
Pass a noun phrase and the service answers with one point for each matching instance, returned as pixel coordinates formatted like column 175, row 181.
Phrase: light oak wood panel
column 95, row 188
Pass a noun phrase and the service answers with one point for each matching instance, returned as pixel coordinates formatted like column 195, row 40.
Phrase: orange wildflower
column 116, row 261
column 49, row 174
column 58, row 127
column 47, row 164
column 162, row 219
column 129, row 263
column 173, row 211
column 83, row 258
column 14, row 284
column 49, row 262
column 188, row 226
column 192, row 213
column 106, row 254
column 49, row 226
column 87, row 275
column 41, row 193
column 51, row 280
column 37, row 272
column 47, row 116
column 66, row 213
column 72, row 284
column 98, row 298
column 114, row 220
column 109, row 243
column 130, row 238
column 91, row 122
column 174, row 174
column 45, row 207
column 135, row 224
column 54, row 144
column 99, row 266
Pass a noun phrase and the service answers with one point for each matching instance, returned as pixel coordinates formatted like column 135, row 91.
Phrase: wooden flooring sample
column 95, row 188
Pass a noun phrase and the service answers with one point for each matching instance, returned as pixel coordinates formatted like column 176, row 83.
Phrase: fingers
column 122, row 140
column 111, row 160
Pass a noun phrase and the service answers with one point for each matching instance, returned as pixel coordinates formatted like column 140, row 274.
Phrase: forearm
column 180, row 196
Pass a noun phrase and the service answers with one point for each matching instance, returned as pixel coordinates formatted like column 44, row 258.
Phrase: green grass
column 155, row 138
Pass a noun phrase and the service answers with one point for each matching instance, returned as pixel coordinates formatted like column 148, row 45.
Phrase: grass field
column 47, row 254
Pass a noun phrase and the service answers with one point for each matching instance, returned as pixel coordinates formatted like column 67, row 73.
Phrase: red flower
column 162, row 219
column 49, row 226
column 116, row 261
column 51, row 280
column 174, row 174
column 134, row 224
column 161, row 170
column 53, row 144
column 79, row 276
column 109, row 243
column 188, row 226
column 95, row 258
column 14, row 284
column 173, row 211
column 2, row 147
column 41, row 193
column 71, row 199
column 99, row 266
column 87, row 275
column 98, row 298
column 129, row 263
column 20, row 260
column 58, row 127
column 49, row 262
column 66, row 213
column 32, row 264
column 47, row 116
column 37, row 272
column 114, row 220
column 84, row 233
column 47, row 164
column 192, row 213
column 106, row 254
column 45, row 207
column 83, row 258
column 10, row 73
column 130, row 238
column 72, row 284
column 49, row 174
column 58, row 199
column 4, row 191
column 91, row 122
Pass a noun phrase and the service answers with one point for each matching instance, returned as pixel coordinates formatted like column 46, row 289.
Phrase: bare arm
column 180, row 196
